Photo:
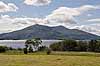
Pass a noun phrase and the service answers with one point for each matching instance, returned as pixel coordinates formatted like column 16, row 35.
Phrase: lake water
column 21, row 43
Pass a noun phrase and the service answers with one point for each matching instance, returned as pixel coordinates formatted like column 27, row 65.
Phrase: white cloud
column 58, row 19
column 66, row 15
column 94, row 20
column 89, row 15
column 37, row 2
column 4, row 16
column 92, row 28
column 87, row 8
column 8, row 24
column 7, row 7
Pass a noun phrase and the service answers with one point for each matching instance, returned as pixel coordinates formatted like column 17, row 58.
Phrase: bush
column 25, row 50
column 3, row 49
column 48, row 51
column 66, row 45
column 20, row 49
column 97, row 48
column 10, row 48
column 92, row 45
column 42, row 48
column 81, row 46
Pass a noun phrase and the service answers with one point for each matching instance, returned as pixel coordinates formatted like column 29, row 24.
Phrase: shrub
column 66, row 45
column 3, row 49
column 20, row 49
column 48, row 51
column 42, row 48
column 10, row 48
column 25, row 50
column 82, row 46
column 92, row 45
column 97, row 48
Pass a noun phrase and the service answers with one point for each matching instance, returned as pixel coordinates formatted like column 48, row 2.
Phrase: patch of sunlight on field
column 48, row 60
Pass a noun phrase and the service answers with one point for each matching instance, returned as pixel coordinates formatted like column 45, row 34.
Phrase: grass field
column 48, row 60
column 56, row 59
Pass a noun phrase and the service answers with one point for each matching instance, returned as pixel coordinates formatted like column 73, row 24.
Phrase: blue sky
column 73, row 14
column 42, row 11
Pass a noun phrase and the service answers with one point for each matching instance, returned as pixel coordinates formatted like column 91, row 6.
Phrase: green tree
column 30, row 49
column 97, row 48
column 36, row 43
column 42, row 48
column 92, row 45
column 69, row 45
column 33, row 42
column 81, row 46
column 25, row 50
column 3, row 49
column 66, row 45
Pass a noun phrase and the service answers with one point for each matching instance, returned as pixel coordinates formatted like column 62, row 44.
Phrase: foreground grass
column 17, row 58
column 48, row 60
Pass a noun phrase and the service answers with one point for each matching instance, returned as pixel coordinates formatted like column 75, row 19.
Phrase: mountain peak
column 46, row 32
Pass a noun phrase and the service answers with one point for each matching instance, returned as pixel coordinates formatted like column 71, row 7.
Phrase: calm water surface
column 21, row 43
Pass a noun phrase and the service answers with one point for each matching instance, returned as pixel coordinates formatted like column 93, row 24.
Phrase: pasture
column 55, row 59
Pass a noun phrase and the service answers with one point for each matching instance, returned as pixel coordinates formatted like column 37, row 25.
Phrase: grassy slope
column 56, row 59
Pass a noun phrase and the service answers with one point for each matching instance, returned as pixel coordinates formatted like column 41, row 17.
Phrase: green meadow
column 54, row 59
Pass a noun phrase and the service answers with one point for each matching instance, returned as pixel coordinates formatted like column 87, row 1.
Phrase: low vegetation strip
column 48, row 60
column 62, row 53
column 77, row 54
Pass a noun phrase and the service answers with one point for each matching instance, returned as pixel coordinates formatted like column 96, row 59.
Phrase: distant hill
column 46, row 32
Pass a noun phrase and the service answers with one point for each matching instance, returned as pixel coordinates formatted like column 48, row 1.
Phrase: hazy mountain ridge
column 46, row 32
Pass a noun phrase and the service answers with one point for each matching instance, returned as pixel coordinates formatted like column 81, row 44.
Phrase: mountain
column 46, row 32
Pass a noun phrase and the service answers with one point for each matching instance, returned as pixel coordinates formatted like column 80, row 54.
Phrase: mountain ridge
column 48, row 33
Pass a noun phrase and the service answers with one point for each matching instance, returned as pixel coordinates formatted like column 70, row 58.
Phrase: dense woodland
column 81, row 45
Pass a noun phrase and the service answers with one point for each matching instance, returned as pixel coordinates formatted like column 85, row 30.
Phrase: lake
column 21, row 43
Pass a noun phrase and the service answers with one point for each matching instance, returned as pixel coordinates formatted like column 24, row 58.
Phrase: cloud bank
column 10, row 7
column 37, row 2
column 66, row 15
column 14, row 23
column 94, row 20
column 92, row 28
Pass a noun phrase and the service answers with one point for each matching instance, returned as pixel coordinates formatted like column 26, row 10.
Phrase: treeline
column 73, row 45
column 5, row 48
